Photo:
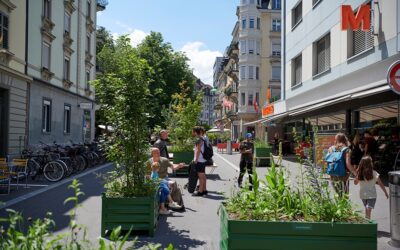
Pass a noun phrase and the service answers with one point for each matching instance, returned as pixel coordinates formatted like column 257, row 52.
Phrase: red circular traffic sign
column 393, row 77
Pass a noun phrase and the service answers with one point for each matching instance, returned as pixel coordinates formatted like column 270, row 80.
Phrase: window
column 258, row 47
column 362, row 41
column 88, row 9
column 87, row 80
column 250, row 100
column 296, row 70
column 251, row 23
column 242, row 72
column 46, row 116
column 257, row 98
column 243, row 47
column 243, row 99
column 257, row 73
column 297, row 14
column 276, row 4
column 66, row 68
column 322, row 57
column 243, row 24
column 252, row 2
column 4, row 30
column 276, row 24
column 67, row 118
column 258, row 23
column 276, row 72
column 251, row 72
column 251, row 46
column 88, row 43
column 46, row 8
column 46, row 55
column 276, row 49
column 67, row 23
column 315, row 2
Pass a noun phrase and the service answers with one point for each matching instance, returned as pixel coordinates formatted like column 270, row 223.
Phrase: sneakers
column 200, row 193
column 174, row 205
column 164, row 212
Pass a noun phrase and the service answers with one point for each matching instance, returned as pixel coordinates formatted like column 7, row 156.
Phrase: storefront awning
column 267, row 119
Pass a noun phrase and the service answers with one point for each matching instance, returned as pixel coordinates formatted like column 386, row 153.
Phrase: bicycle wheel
column 53, row 171
column 33, row 168
column 67, row 169
column 81, row 163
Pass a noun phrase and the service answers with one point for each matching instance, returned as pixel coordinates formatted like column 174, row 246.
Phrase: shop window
column 297, row 14
column 46, row 116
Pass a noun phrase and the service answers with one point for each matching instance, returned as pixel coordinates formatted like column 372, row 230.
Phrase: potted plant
column 184, row 114
column 281, row 216
column 122, row 90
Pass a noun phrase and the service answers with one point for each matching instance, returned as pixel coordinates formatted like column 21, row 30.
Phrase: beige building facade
column 14, row 91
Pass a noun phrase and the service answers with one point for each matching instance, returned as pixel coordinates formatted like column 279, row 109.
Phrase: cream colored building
column 257, row 62
column 13, row 80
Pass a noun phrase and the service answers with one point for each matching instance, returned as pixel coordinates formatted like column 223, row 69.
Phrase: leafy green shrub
column 39, row 235
column 183, row 116
column 312, row 201
column 261, row 144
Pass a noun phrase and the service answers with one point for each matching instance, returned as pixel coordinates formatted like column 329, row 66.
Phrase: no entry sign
column 393, row 77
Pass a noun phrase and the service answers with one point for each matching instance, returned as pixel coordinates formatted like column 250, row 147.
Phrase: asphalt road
column 196, row 228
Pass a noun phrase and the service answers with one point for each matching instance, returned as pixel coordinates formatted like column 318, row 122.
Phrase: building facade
column 251, row 66
column 207, row 113
column 337, row 79
column 13, row 80
column 60, row 58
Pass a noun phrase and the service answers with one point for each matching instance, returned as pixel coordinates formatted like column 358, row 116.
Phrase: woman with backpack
column 339, row 164
column 199, row 161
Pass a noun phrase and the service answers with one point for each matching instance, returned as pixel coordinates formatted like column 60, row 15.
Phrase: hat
column 249, row 135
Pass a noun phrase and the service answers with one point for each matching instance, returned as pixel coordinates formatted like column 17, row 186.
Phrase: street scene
column 237, row 124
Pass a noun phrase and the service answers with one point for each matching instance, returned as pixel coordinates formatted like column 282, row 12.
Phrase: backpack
column 208, row 150
column 336, row 162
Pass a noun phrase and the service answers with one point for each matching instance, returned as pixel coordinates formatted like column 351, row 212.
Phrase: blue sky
column 200, row 28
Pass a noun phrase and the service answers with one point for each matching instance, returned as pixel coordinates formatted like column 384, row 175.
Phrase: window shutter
column 362, row 40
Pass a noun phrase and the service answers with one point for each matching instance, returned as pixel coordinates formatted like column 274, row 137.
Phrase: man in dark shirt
column 246, row 159
column 161, row 144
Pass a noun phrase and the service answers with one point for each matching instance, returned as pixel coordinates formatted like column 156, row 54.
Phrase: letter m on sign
column 363, row 17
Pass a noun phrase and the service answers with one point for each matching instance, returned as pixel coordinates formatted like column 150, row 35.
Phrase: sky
column 200, row 28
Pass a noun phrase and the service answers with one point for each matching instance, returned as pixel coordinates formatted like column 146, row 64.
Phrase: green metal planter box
column 262, row 156
column 237, row 234
column 262, row 152
column 185, row 157
column 138, row 213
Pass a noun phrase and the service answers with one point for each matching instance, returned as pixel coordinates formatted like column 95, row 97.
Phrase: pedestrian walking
column 356, row 152
column 339, row 164
column 368, row 178
column 246, row 159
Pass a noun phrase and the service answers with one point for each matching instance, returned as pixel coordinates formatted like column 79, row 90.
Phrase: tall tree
column 169, row 69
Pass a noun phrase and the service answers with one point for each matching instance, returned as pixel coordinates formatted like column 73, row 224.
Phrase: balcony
column 69, row 6
column 101, row 5
column 46, row 29
column 67, row 44
column 90, row 24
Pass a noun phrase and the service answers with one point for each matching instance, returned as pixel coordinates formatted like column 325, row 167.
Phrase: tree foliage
column 123, row 91
column 182, row 116
column 169, row 68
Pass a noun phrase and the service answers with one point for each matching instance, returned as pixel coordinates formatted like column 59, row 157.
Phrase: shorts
column 369, row 203
column 200, row 167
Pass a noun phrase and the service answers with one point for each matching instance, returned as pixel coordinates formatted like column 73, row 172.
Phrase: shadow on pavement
column 383, row 234
column 166, row 233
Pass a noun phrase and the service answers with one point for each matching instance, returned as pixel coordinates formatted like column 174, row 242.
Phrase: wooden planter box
column 139, row 213
column 236, row 234
column 185, row 157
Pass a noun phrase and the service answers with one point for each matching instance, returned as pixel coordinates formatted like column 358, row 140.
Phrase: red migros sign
column 361, row 20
